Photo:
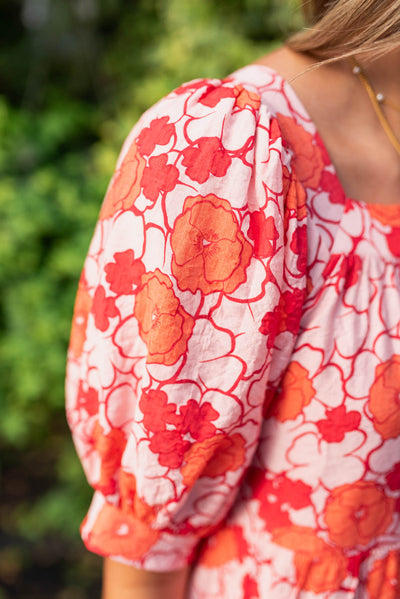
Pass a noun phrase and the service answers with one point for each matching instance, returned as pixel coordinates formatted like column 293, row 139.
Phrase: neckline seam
column 316, row 136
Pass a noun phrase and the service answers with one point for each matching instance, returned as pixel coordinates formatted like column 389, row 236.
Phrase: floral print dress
column 233, row 381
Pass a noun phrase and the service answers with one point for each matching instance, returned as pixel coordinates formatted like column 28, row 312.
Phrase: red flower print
column 213, row 457
column 157, row 412
column 273, row 514
column 264, row 234
column 103, row 309
column 88, row 400
column 170, row 446
column 192, row 86
column 285, row 316
column 208, row 158
column 83, row 305
column 164, row 325
column 121, row 533
column 210, row 252
column 298, row 246
column 213, row 96
column 274, row 131
column 110, row 448
column 319, row 567
column 384, row 402
column 159, row 132
column 307, row 158
column 250, row 588
column 393, row 478
column 393, row 240
column 124, row 273
column 277, row 496
column 158, row 176
column 384, row 580
column 338, row 422
column 296, row 393
column 196, row 420
column 125, row 185
column 245, row 98
column 357, row 513
column 330, row 183
column 225, row 545
column 349, row 270
column 294, row 194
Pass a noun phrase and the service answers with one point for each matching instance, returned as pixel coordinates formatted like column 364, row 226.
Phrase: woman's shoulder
column 223, row 136
column 209, row 134
column 259, row 87
column 253, row 107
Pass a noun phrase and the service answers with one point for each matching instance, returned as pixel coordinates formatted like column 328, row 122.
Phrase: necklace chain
column 377, row 99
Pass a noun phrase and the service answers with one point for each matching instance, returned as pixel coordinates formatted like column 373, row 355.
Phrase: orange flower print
column 297, row 393
column 110, row 448
column 83, row 305
column 224, row 546
column 125, row 185
column 384, row 579
column 245, row 98
column 319, row 567
column 294, row 194
column 387, row 215
column 357, row 513
column 213, row 457
column 164, row 325
column 307, row 158
column 121, row 534
column 131, row 502
column 210, row 252
column 384, row 398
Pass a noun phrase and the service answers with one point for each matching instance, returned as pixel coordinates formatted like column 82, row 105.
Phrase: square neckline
column 392, row 206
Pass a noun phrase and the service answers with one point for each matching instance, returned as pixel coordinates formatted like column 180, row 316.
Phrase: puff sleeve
column 188, row 306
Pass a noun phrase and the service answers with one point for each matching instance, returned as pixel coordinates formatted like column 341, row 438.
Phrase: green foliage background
column 75, row 76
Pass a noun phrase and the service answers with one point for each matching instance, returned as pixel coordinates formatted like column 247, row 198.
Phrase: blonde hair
column 340, row 28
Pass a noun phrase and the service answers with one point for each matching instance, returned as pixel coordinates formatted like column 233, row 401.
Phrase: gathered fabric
column 233, row 374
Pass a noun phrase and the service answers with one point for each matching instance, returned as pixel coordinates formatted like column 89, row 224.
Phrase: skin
column 124, row 582
column 340, row 108
column 345, row 119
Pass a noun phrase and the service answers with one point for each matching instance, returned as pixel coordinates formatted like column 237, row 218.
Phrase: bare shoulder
column 320, row 89
column 287, row 63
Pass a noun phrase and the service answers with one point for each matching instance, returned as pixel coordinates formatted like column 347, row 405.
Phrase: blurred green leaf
column 75, row 77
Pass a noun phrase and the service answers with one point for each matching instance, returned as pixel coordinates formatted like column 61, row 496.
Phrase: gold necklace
column 377, row 99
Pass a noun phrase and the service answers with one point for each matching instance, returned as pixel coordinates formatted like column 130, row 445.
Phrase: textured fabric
column 234, row 369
